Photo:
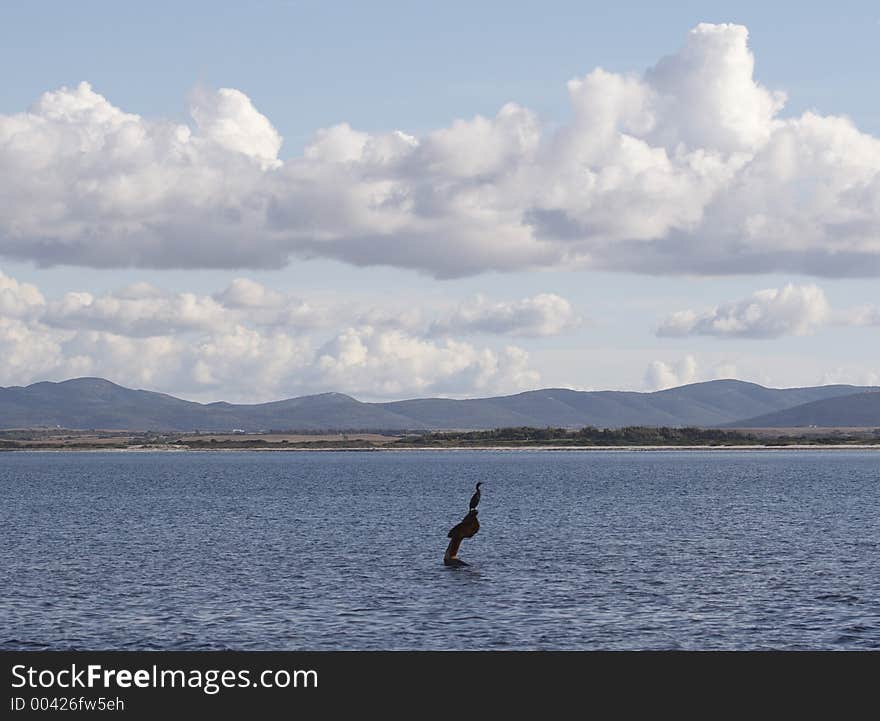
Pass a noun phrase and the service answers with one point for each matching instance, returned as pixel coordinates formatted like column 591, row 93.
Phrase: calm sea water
column 578, row 550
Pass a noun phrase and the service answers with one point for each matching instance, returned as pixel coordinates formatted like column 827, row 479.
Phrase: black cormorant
column 475, row 499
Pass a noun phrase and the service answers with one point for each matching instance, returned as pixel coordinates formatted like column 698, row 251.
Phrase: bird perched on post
column 475, row 499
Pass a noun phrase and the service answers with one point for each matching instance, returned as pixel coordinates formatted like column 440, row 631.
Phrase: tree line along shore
column 631, row 436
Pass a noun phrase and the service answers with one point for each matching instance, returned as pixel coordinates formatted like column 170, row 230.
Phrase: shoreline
column 518, row 449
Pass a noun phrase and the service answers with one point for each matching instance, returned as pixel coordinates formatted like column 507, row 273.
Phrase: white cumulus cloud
column 19, row 300
column 545, row 314
column 689, row 167
column 397, row 363
column 662, row 374
column 136, row 316
column 228, row 118
column 771, row 313
column 250, row 343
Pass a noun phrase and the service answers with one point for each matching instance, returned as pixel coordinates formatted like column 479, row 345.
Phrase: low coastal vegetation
column 641, row 436
column 589, row 436
column 630, row 436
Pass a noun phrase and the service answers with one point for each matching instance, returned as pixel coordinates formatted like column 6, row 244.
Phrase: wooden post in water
column 466, row 528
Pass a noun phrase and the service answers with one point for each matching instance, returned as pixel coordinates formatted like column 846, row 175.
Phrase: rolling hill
column 712, row 403
column 95, row 403
column 861, row 409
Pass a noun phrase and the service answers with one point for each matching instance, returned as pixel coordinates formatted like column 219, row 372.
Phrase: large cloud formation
column 248, row 342
column 688, row 167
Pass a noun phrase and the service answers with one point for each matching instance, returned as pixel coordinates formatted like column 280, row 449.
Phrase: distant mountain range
column 95, row 403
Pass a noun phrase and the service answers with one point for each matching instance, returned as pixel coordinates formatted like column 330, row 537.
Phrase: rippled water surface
column 582, row 550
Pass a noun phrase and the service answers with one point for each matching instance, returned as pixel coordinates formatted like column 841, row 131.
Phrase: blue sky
column 414, row 65
column 418, row 68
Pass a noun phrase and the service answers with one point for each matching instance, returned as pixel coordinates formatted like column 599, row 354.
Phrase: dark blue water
column 580, row 550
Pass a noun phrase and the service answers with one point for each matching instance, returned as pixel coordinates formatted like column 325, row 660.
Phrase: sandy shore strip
column 511, row 449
